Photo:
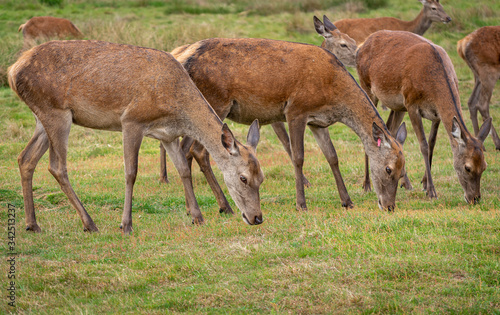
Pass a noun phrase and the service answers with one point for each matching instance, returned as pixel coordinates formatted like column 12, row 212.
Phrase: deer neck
column 208, row 130
column 362, row 125
column 419, row 25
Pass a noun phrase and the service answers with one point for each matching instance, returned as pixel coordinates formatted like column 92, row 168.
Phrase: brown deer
column 408, row 73
column 138, row 91
column 336, row 42
column 360, row 29
column 481, row 51
column 47, row 27
column 304, row 85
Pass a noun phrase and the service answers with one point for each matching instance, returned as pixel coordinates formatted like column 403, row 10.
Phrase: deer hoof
column 33, row 228
column 348, row 204
column 226, row 210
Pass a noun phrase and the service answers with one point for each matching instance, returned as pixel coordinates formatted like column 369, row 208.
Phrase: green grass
column 439, row 256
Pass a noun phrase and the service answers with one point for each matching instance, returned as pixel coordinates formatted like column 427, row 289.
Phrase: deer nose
column 391, row 208
column 477, row 199
column 447, row 20
column 258, row 220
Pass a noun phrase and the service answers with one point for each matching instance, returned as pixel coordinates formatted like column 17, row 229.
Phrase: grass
column 439, row 256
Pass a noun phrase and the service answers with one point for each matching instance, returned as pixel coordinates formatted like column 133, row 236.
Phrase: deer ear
column 228, row 141
column 456, row 132
column 401, row 134
column 253, row 135
column 485, row 130
column 320, row 28
column 328, row 24
column 379, row 136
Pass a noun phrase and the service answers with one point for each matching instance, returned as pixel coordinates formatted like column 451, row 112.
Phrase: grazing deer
column 481, row 52
column 339, row 44
column 47, row 27
column 304, row 85
column 360, row 29
column 138, row 91
column 408, row 73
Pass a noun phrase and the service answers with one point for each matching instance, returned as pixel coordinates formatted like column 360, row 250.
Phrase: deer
column 360, row 29
column 409, row 73
column 341, row 45
column 47, row 27
column 481, row 51
column 303, row 85
column 140, row 92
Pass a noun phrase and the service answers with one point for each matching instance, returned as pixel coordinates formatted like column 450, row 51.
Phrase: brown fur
column 278, row 81
column 360, row 29
column 481, row 52
column 406, row 72
column 48, row 27
column 139, row 91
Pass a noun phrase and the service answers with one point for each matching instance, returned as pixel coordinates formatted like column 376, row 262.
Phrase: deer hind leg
column 58, row 145
column 432, row 143
column 280, row 131
column 202, row 157
column 393, row 126
column 27, row 160
column 488, row 85
column 132, row 139
column 416, row 121
column 177, row 156
column 325, row 143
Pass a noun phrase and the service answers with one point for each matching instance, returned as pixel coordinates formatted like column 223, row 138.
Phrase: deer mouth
column 258, row 220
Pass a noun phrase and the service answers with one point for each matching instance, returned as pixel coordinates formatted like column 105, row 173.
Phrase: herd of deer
column 188, row 92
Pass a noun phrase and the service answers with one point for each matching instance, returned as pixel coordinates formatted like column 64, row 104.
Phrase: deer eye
column 243, row 179
column 343, row 45
column 467, row 169
column 388, row 170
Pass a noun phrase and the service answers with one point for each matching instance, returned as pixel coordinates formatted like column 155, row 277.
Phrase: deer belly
column 245, row 112
column 95, row 118
column 395, row 102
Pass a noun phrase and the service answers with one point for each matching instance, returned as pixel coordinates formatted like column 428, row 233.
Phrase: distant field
column 428, row 256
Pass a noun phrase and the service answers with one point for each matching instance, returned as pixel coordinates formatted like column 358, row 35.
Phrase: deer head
column 433, row 10
column 388, row 168
column 340, row 44
column 243, row 174
column 468, row 159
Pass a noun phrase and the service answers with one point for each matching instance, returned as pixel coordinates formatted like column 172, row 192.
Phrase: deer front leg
column 432, row 143
column 27, row 160
column 177, row 156
column 297, row 127
column 132, row 139
column 393, row 123
column 280, row 130
column 325, row 143
column 366, row 183
column 472, row 104
column 416, row 121
column 202, row 157
column 163, row 165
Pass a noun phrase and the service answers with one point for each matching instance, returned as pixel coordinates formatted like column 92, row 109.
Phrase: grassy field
column 439, row 256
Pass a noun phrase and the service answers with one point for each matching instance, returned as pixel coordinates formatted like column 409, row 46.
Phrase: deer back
column 48, row 27
column 360, row 29
column 481, row 50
